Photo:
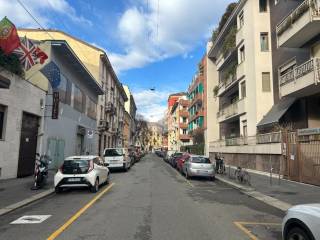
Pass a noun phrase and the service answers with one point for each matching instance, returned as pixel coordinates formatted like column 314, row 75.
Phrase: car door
column 99, row 170
column 104, row 169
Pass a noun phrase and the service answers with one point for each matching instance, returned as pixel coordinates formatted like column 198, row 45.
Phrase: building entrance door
column 28, row 145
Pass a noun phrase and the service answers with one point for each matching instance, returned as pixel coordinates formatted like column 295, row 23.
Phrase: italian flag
column 9, row 39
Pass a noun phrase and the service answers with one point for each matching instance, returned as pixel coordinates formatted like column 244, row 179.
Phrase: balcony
column 259, row 144
column 183, row 125
column 197, row 99
column 226, row 84
column 300, row 26
column 302, row 80
column 233, row 110
column 184, row 137
column 184, row 113
column 198, row 113
column 110, row 107
column 225, row 59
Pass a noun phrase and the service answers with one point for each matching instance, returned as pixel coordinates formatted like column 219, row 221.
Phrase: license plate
column 74, row 179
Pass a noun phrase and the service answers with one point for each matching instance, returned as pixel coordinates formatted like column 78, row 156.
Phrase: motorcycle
column 41, row 170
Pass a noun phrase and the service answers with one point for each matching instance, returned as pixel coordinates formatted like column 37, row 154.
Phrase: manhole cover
column 32, row 219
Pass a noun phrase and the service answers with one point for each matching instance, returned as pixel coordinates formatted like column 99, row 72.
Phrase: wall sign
column 55, row 105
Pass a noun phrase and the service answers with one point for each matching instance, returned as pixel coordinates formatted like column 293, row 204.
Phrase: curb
column 271, row 201
column 25, row 202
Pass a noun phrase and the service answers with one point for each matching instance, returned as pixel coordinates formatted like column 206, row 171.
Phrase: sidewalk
column 15, row 193
column 281, row 194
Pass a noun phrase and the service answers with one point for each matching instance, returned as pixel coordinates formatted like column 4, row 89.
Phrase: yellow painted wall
column 89, row 55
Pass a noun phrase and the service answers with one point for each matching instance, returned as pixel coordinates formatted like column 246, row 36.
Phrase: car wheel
column 297, row 233
column 95, row 188
column 58, row 190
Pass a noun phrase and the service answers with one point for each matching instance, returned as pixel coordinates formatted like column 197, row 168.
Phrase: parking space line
column 241, row 226
column 246, row 231
column 55, row 234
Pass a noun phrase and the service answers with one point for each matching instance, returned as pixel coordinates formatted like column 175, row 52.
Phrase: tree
column 198, row 136
column 223, row 20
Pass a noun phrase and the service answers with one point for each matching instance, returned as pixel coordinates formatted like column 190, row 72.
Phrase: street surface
column 151, row 201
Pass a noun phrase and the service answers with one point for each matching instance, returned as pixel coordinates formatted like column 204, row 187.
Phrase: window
column 243, row 89
column 91, row 108
column 242, row 54
column 241, row 20
column 2, row 121
column 184, row 131
column 263, row 5
column 184, row 119
column 264, row 41
column 64, row 90
column 78, row 99
column 266, row 86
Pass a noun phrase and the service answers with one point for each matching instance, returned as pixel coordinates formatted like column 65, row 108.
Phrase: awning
column 276, row 112
column 4, row 82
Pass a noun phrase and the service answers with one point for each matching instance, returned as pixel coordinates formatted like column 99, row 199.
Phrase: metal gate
column 28, row 144
column 56, row 152
column 302, row 157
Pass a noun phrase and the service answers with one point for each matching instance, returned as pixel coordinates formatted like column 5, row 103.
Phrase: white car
column 117, row 158
column 302, row 222
column 82, row 171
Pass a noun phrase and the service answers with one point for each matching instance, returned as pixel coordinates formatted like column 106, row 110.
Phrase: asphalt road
column 151, row 201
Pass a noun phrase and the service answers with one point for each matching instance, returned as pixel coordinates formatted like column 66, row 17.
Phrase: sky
column 150, row 43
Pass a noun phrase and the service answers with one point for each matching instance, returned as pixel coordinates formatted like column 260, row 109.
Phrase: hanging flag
column 52, row 72
column 41, row 55
column 9, row 39
column 27, row 53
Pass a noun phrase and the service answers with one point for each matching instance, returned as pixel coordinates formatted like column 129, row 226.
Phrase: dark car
column 174, row 157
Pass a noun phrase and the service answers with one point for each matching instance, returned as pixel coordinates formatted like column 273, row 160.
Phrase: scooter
column 220, row 167
column 41, row 171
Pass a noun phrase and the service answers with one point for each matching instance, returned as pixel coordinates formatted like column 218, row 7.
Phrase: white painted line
column 31, row 219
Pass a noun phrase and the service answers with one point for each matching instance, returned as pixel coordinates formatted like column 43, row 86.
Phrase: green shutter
column 200, row 86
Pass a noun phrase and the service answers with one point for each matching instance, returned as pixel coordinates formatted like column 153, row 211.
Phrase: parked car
column 174, row 157
column 302, row 222
column 168, row 154
column 81, row 171
column 117, row 158
column 199, row 166
column 180, row 161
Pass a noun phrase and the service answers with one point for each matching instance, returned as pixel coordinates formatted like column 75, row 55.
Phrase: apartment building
column 131, row 109
column 296, row 66
column 241, row 53
column 180, row 121
column 110, row 106
column 155, row 133
column 197, row 96
column 171, row 121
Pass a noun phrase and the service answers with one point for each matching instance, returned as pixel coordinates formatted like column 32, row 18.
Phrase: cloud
column 151, row 104
column 39, row 9
column 149, row 34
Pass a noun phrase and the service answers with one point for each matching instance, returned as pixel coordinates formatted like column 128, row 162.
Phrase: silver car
column 196, row 165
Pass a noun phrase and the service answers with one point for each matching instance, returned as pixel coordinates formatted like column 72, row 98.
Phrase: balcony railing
column 268, row 138
column 300, row 71
column 231, row 110
column 184, row 113
column 297, row 13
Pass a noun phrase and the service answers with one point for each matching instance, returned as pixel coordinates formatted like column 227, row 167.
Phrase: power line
column 33, row 17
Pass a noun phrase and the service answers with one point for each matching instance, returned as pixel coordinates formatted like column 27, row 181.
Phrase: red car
column 180, row 161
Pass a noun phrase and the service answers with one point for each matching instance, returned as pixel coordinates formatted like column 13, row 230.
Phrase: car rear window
column 75, row 166
column 113, row 152
column 200, row 160
column 178, row 154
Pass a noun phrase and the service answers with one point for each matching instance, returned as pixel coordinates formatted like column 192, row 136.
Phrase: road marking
column 189, row 183
column 241, row 226
column 31, row 219
column 78, row 214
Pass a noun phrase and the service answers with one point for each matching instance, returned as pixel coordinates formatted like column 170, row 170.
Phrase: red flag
column 9, row 39
column 41, row 55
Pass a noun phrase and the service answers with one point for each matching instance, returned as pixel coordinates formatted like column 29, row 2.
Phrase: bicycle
column 242, row 176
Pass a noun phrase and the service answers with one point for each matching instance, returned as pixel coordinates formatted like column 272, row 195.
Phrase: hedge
column 194, row 149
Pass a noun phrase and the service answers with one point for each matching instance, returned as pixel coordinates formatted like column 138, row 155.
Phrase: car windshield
column 200, row 160
column 75, row 166
column 113, row 152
